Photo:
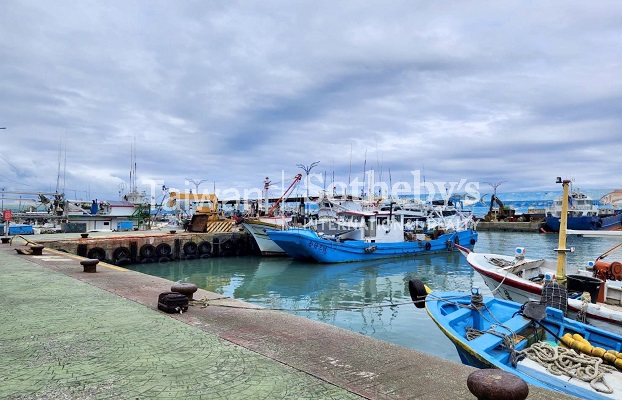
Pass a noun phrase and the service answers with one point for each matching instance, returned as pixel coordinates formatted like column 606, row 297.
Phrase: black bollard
column 185, row 288
column 90, row 264
column 495, row 384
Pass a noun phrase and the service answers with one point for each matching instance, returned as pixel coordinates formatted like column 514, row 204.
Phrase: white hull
column 505, row 284
column 258, row 228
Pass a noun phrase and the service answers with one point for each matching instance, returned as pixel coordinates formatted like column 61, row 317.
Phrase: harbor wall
column 159, row 247
column 502, row 226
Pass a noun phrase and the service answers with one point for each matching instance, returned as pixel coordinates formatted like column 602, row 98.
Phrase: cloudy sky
column 233, row 91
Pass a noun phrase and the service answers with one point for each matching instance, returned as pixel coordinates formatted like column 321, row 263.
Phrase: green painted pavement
column 65, row 339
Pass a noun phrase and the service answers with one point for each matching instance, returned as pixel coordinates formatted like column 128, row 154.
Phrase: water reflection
column 326, row 292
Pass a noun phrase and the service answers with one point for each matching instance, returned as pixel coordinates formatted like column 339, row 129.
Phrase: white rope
column 564, row 361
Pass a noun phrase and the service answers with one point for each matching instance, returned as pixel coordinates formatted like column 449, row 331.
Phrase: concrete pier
column 502, row 226
column 121, row 248
column 70, row 334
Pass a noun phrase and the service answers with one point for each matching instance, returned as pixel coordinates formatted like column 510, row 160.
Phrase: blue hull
column 452, row 313
column 306, row 244
column 586, row 223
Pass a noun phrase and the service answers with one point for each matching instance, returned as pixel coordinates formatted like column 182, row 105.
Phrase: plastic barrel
column 580, row 283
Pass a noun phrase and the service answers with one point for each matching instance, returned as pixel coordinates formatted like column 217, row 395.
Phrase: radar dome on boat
column 520, row 251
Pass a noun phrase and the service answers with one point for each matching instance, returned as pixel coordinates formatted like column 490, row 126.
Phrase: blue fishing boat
column 584, row 213
column 528, row 340
column 370, row 235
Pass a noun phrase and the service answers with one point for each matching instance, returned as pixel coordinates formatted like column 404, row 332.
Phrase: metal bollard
column 185, row 288
column 493, row 384
column 90, row 264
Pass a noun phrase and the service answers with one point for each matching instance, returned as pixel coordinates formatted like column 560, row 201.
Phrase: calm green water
column 328, row 289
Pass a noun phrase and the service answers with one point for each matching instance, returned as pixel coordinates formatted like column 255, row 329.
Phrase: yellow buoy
column 598, row 352
column 610, row 357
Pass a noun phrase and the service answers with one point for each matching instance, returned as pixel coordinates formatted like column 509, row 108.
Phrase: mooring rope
column 205, row 303
column 563, row 361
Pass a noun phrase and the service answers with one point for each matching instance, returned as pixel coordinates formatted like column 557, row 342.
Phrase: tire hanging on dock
column 97, row 253
column 163, row 250
column 147, row 251
column 121, row 255
column 190, row 248
column 204, row 248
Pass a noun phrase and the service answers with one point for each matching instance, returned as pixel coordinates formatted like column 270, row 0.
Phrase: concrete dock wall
column 501, row 226
column 156, row 247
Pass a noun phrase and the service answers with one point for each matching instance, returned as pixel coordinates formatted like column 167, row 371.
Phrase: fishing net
column 555, row 295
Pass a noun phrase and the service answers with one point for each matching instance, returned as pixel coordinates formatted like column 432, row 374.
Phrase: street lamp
column 307, row 169
column 495, row 186
column 196, row 184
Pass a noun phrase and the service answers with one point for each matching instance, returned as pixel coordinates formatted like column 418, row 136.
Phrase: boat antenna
column 364, row 168
column 349, row 173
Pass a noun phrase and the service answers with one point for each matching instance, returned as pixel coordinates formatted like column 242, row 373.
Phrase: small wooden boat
column 532, row 341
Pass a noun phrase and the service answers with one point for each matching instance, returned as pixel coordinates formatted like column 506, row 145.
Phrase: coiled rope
column 564, row 361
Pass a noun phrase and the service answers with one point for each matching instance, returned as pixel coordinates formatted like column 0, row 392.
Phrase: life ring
column 456, row 240
column 449, row 245
column 163, row 249
column 121, row 255
column 428, row 246
column 98, row 253
column 472, row 241
column 417, row 291
column 190, row 248
column 147, row 251
column 204, row 248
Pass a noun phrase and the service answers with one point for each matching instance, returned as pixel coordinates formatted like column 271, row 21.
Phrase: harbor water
column 370, row 298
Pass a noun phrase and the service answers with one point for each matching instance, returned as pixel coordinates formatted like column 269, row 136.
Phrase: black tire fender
column 147, row 260
column 97, row 253
column 417, row 291
column 472, row 241
column 428, row 246
column 163, row 259
column 190, row 248
column 204, row 248
column 456, row 239
column 121, row 253
column 163, row 250
column 449, row 245
column 147, row 251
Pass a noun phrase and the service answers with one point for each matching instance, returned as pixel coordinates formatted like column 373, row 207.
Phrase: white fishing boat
column 592, row 299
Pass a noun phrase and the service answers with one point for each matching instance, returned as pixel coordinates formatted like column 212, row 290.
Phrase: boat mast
column 561, row 246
